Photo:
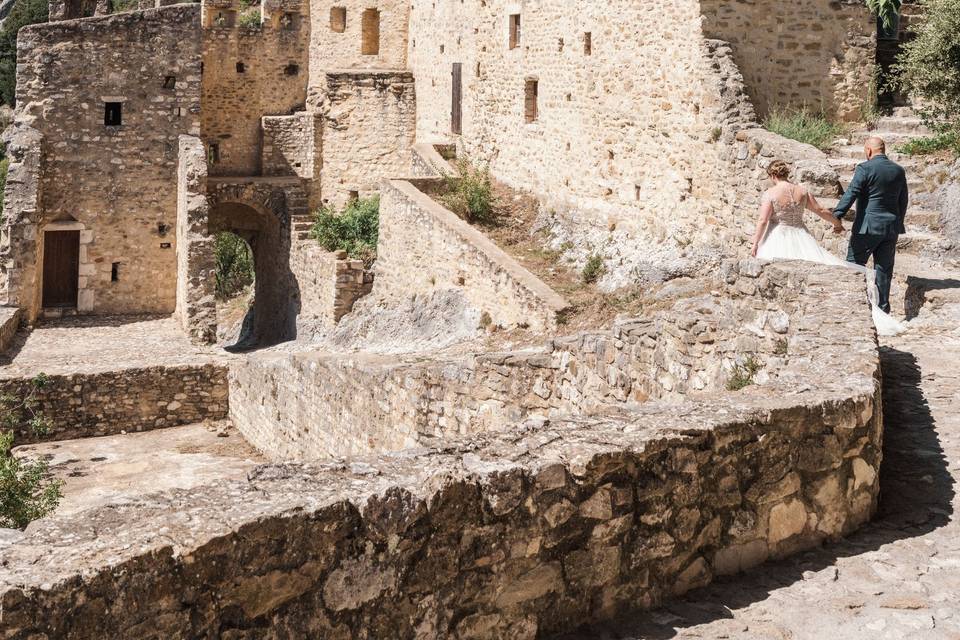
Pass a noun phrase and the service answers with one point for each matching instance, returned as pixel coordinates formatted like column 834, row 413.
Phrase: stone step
column 923, row 243
column 903, row 112
column 901, row 124
column 892, row 138
column 922, row 219
column 855, row 151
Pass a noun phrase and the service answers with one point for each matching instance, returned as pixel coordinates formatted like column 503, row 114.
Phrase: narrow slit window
column 515, row 31
column 588, row 43
column 115, row 272
column 370, row 32
column 213, row 153
column 112, row 114
column 338, row 19
column 530, row 99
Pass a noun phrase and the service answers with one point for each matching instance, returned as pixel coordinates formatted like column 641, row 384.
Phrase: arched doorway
column 271, row 316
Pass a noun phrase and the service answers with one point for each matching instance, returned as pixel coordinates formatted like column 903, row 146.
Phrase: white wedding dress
column 788, row 238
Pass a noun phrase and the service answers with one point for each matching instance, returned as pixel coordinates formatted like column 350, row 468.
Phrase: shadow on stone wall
column 916, row 497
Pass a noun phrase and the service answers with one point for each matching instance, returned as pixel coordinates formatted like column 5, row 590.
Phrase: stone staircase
column 923, row 223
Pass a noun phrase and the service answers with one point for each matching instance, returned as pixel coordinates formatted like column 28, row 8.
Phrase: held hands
column 838, row 227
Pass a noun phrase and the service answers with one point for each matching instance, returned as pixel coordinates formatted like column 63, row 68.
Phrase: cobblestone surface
column 898, row 577
column 96, row 343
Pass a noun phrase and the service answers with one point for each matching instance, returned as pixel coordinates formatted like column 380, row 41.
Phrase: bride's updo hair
column 779, row 169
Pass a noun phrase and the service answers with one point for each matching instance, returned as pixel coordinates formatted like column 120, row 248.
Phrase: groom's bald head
column 874, row 145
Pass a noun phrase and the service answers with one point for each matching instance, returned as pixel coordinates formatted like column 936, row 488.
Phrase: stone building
column 139, row 135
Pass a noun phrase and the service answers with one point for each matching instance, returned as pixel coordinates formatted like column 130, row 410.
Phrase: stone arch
column 261, row 219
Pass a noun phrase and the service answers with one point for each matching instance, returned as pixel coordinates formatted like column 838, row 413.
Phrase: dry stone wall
column 314, row 405
column 424, row 247
column 519, row 534
column 330, row 283
column 368, row 128
column 622, row 144
column 337, row 38
column 22, row 214
column 250, row 72
column 81, row 405
column 114, row 183
column 814, row 54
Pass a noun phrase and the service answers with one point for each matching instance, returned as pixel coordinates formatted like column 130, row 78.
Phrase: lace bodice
column 789, row 214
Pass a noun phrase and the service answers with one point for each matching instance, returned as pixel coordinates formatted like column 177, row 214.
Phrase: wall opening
column 290, row 21
column 531, row 110
column 370, row 32
column 515, row 31
column 241, row 67
column 338, row 19
column 115, row 272
column 456, row 109
column 112, row 114
column 291, row 69
column 588, row 43
column 234, row 286
column 170, row 82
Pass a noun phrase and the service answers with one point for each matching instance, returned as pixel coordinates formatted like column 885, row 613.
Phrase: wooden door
column 61, row 268
column 456, row 112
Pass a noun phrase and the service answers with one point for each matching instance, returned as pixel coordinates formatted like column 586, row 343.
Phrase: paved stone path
column 898, row 577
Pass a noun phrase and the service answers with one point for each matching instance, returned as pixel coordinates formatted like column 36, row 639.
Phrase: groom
column 879, row 187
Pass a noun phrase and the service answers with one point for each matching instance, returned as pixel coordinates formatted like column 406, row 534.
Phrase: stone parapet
column 518, row 533
column 81, row 405
column 425, row 247
column 329, row 282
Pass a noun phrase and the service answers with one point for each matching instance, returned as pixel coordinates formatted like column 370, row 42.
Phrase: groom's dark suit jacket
column 879, row 187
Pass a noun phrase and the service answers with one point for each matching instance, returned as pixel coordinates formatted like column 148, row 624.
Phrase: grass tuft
column 803, row 126
column 743, row 374
column 354, row 230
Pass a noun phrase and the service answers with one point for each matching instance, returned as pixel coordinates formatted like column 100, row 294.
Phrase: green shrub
column 249, row 18
column 470, row 193
column 26, row 490
column 928, row 66
column 116, row 6
column 743, row 374
column 24, row 12
column 946, row 141
column 235, row 268
column 593, row 269
column 885, row 10
column 354, row 230
column 803, row 126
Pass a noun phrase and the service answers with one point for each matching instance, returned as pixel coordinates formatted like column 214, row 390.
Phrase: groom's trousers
column 883, row 248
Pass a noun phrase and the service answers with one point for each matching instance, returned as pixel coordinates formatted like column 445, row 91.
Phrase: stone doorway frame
column 87, row 270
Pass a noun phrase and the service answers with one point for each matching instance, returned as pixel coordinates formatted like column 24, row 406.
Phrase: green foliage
column 929, row 65
column 593, row 269
column 249, row 18
column 803, row 126
column 780, row 348
column 886, row 10
column 24, row 12
column 946, row 141
column 116, row 6
column 235, row 269
column 469, row 194
column 743, row 374
column 354, row 230
column 26, row 490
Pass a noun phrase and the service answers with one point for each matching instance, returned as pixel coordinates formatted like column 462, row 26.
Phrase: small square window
column 338, row 19
column 289, row 21
column 170, row 82
column 291, row 69
column 241, row 67
column 112, row 114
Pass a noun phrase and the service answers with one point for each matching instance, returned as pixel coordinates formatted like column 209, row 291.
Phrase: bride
column 782, row 235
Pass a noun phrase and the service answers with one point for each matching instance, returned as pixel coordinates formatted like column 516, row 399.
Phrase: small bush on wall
column 803, row 126
column 354, row 230
column 469, row 193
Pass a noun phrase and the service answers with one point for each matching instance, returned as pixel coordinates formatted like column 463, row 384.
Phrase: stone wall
column 622, row 147
column 9, row 324
column 81, row 405
column 313, row 405
column 250, row 72
column 817, row 54
column 423, row 247
column 22, row 216
column 330, row 283
column 368, row 129
column 292, row 145
column 334, row 48
column 114, row 183
column 196, row 264
column 520, row 534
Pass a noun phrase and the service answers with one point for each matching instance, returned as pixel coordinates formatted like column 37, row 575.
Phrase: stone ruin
column 435, row 487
